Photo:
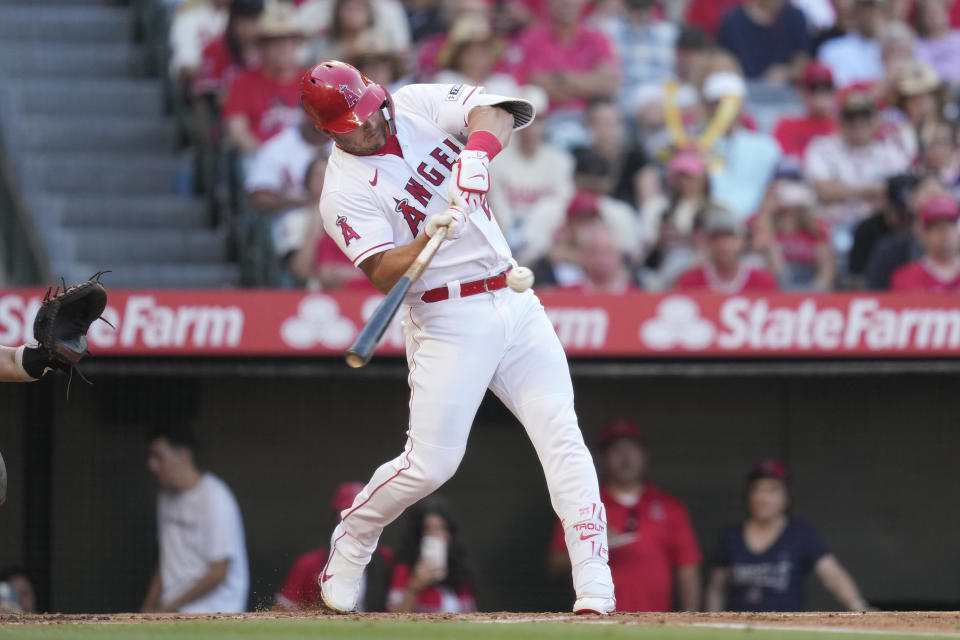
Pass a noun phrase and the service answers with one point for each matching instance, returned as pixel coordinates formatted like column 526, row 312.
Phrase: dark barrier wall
column 874, row 458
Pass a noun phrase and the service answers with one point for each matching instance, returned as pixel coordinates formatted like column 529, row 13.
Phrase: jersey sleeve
column 812, row 546
column 355, row 224
column 221, row 539
column 449, row 105
column 684, row 549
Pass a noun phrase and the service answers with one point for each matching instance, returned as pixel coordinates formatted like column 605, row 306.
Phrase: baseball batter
column 403, row 167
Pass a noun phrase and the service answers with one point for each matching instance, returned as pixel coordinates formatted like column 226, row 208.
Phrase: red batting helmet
column 338, row 98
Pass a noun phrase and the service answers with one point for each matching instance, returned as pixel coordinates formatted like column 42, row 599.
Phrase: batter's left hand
column 470, row 180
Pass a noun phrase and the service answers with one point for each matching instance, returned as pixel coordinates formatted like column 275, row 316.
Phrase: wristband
column 18, row 361
column 484, row 141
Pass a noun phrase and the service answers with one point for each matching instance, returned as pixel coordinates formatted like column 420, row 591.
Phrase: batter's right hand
column 453, row 218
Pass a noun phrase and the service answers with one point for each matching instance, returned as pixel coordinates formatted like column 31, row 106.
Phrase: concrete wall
column 874, row 461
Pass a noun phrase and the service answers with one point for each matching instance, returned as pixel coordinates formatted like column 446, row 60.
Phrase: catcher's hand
column 60, row 328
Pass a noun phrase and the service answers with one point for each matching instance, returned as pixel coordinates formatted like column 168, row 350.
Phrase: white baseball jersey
column 377, row 202
column 198, row 527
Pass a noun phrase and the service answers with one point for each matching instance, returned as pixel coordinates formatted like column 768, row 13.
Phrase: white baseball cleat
column 595, row 606
column 340, row 583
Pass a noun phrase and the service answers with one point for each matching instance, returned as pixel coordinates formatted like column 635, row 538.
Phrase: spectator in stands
column 561, row 266
column 604, row 267
column 17, row 579
column 842, row 23
column 432, row 574
column 358, row 25
column 707, row 15
column 261, row 102
column 848, row 170
column 669, row 220
column 743, row 160
column 275, row 183
column 940, row 147
column 194, row 25
column 856, row 56
column 654, row 555
column 594, row 174
column 938, row 271
column 571, row 61
column 723, row 269
column 901, row 244
column 769, row 37
column 339, row 28
column 645, row 45
column 896, row 52
column 203, row 556
column 919, row 101
column 893, row 217
column 447, row 14
column 820, row 119
column 229, row 54
column 383, row 67
column 531, row 184
column 794, row 242
column 610, row 139
column 318, row 263
column 938, row 44
column 470, row 56
column 301, row 588
column 762, row 563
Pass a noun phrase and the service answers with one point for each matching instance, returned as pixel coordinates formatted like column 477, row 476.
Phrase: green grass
column 378, row 630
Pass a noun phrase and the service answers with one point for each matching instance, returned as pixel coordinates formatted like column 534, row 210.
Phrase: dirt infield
column 914, row 621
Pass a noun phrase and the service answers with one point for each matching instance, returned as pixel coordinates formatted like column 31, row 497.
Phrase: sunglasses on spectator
column 859, row 114
column 818, row 87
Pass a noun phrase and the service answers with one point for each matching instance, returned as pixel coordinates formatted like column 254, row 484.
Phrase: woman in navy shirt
column 761, row 564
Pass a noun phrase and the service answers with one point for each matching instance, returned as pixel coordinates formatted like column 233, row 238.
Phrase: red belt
column 468, row 288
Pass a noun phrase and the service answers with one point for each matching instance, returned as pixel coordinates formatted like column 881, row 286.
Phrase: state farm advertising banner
column 287, row 323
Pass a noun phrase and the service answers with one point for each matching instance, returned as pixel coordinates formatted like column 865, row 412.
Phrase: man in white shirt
column 856, row 57
column 276, row 183
column 195, row 24
column 203, row 556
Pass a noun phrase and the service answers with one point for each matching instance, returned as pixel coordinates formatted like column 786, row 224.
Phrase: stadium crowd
column 722, row 145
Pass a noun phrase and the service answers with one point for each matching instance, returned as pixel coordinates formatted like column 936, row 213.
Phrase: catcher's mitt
column 60, row 328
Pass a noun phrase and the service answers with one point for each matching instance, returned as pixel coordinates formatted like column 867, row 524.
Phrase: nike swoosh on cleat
column 326, row 576
column 583, row 537
column 376, row 175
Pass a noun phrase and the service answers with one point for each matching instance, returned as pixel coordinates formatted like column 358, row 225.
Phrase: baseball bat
column 367, row 340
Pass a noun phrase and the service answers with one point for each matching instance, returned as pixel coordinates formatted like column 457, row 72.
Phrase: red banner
column 286, row 323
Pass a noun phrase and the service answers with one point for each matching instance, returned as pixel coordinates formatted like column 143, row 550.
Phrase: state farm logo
column 318, row 321
column 141, row 321
column 678, row 323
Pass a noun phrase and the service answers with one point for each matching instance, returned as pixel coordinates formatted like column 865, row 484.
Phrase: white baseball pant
column 456, row 349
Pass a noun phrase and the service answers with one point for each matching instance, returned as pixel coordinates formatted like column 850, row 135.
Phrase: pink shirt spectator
column 541, row 52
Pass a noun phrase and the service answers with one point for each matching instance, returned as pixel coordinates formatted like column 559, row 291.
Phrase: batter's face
column 366, row 138
column 624, row 461
column 767, row 499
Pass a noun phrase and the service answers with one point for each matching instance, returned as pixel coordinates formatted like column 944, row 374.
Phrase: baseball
column 520, row 279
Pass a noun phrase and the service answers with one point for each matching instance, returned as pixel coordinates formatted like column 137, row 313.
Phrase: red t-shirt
column 800, row 247
column 541, row 52
column 706, row 14
column 217, row 68
column 746, row 279
column 919, row 277
column 301, row 589
column 436, row 599
column 794, row 134
column 655, row 538
column 269, row 106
